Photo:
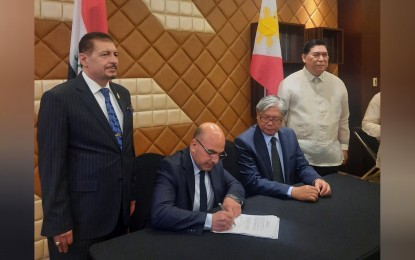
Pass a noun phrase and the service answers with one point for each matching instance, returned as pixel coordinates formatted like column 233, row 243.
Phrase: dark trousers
column 79, row 250
column 323, row 171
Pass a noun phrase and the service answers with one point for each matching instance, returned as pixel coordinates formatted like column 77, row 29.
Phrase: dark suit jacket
column 255, row 164
column 86, row 179
column 175, row 190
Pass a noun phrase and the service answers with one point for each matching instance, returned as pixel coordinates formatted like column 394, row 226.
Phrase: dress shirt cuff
column 345, row 147
column 208, row 222
column 289, row 191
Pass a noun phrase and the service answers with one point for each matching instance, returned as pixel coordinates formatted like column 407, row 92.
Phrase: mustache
column 112, row 66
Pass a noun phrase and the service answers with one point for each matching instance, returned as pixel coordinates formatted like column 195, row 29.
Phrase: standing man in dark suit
column 273, row 175
column 86, row 162
column 192, row 181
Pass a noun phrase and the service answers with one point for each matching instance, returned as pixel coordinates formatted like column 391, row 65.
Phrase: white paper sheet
column 265, row 226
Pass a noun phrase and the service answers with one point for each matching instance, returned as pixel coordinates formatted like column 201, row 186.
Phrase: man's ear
column 193, row 145
column 82, row 59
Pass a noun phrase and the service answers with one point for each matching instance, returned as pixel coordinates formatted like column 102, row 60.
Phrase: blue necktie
column 203, row 194
column 113, row 120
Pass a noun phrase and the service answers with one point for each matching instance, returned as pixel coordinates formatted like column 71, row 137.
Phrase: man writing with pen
column 192, row 181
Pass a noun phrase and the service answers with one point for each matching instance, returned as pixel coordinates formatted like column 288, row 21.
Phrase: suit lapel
column 261, row 148
column 91, row 103
column 121, row 100
column 284, row 155
column 123, row 103
column 189, row 175
column 215, row 181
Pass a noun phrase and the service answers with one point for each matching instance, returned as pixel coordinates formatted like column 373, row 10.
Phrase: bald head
column 210, row 129
column 207, row 136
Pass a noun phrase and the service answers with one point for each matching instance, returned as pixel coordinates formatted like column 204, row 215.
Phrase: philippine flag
column 266, row 62
column 88, row 16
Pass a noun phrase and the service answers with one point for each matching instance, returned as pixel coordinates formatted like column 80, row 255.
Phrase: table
column 343, row 226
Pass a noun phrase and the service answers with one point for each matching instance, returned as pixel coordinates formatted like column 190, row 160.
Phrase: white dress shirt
column 209, row 193
column 318, row 112
column 371, row 122
column 96, row 91
column 267, row 139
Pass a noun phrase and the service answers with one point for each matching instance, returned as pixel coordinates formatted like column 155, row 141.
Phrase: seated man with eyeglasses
column 270, row 159
column 192, row 181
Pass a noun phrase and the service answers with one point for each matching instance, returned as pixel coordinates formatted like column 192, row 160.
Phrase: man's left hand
column 345, row 157
column 132, row 207
column 232, row 206
column 323, row 187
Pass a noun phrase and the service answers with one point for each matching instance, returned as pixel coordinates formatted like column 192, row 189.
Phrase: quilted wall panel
column 184, row 62
column 196, row 51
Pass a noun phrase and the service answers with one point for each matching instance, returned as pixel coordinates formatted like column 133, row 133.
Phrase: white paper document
column 265, row 226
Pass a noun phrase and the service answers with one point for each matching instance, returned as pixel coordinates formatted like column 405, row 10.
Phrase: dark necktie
column 275, row 160
column 113, row 120
column 203, row 195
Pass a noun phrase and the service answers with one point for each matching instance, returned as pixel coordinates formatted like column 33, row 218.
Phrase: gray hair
column 272, row 101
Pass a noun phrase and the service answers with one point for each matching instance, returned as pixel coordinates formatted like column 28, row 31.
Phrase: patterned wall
column 184, row 62
column 190, row 56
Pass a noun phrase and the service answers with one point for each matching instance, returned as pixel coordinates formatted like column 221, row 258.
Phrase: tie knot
column 105, row 92
column 202, row 173
column 273, row 140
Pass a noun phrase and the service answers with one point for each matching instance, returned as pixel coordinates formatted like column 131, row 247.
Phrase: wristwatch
column 235, row 198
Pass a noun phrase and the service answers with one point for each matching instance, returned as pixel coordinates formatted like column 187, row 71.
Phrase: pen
column 223, row 209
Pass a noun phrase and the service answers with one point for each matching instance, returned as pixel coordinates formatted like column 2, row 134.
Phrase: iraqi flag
column 88, row 16
column 266, row 62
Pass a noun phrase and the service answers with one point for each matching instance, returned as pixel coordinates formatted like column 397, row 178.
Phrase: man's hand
column 232, row 206
column 322, row 187
column 305, row 193
column 345, row 157
column 222, row 220
column 63, row 241
column 132, row 207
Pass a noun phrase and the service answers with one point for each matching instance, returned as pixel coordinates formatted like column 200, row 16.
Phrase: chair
column 371, row 145
column 145, row 167
column 230, row 162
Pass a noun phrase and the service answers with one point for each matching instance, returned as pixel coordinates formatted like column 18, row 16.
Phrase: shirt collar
column 196, row 169
column 93, row 86
column 310, row 76
column 267, row 138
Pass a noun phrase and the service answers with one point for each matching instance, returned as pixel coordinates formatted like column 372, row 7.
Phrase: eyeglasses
column 275, row 120
column 210, row 152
